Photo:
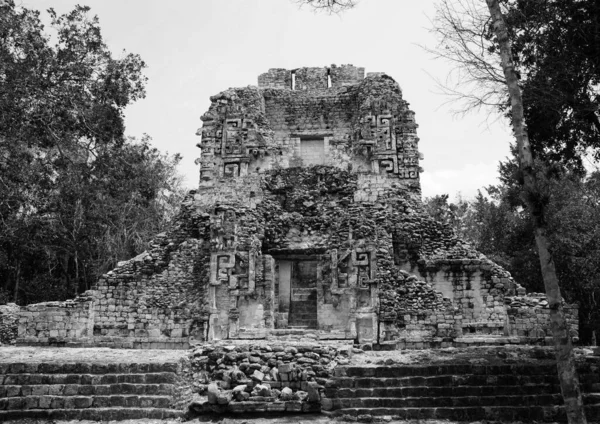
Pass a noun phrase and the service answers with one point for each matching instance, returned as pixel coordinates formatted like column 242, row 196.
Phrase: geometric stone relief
column 223, row 226
column 353, row 267
column 227, row 148
column 232, row 269
column 393, row 151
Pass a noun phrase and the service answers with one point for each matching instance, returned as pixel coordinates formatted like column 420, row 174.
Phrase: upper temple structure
column 307, row 223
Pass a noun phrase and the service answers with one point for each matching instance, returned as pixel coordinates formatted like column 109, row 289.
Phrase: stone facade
column 307, row 223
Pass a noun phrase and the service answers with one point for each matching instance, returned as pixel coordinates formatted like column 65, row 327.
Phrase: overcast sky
column 195, row 49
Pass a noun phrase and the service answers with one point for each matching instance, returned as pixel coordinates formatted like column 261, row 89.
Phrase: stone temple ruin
column 307, row 223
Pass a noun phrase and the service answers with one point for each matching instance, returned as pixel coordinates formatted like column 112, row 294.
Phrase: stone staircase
column 458, row 392
column 88, row 391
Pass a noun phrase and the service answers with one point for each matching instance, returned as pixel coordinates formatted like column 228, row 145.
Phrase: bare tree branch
column 328, row 6
column 476, row 80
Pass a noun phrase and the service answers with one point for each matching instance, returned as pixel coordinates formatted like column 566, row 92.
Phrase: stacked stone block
column 462, row 392
column 345, row 75
column 528, row 317
column 74, row 391
column 57, row 323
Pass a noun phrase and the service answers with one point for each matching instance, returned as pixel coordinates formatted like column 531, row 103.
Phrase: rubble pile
column 260, row 377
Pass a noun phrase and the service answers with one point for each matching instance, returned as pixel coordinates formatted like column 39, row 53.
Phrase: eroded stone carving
column 307, row 221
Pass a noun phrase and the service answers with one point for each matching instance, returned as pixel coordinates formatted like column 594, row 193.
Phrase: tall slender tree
column 567, row 373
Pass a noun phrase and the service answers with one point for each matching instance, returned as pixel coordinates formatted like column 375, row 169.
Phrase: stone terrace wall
column 528, row 317
column 57, row 323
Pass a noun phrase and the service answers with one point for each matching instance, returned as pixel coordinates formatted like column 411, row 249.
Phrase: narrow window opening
column 293, row 80
column 328, row 78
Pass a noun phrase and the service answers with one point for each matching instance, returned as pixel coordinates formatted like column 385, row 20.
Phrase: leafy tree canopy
column 556, row 47
column 76, row 195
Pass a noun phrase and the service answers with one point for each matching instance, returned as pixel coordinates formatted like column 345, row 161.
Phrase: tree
column 567, row 373
column 457, row 215
column 474, row 40
column 556, row 47
column 464, row 40
column 69, row 178
column 560, row 91
column 329, row 6
column 141, row 192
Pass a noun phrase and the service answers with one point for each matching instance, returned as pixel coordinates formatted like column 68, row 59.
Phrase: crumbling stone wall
column 307, row 221
column 8, row 323
column 528, row 316
column 155, row 300
column 55, row 323
column 151, row 301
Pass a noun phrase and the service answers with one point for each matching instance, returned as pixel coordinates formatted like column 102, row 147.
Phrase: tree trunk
column 76, row 285
column 17, row 280
column 565, row 361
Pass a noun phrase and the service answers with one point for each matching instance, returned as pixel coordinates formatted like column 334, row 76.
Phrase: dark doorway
column 298, row 292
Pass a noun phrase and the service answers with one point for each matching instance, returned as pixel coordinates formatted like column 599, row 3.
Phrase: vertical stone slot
column 328, row 78
column 293, row 87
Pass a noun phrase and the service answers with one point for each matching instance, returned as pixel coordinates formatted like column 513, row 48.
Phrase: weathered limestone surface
column 8, row 323
column 98, row 390
column 528, row 392
column 51, row 322
column 307, row 223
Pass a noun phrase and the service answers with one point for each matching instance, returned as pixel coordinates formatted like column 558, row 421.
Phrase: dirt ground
column 474, row 355
column 478, row 355
column 25, row 354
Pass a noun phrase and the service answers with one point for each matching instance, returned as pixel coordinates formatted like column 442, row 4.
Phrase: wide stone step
column 462, row 401
column 93, row 414
column 83, row 402
column 458, row 413
column 443, row 380
column 436, row 370
column 500, row 413
column 87, row 368
column 442, row 391
column 86, row 379
column 86, row 390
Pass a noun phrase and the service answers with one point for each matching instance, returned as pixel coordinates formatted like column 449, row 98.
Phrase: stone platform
column 528, row 392
column 342, row 382
column 91, row 384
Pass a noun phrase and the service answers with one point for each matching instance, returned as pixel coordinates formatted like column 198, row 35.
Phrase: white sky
column 195, row 49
